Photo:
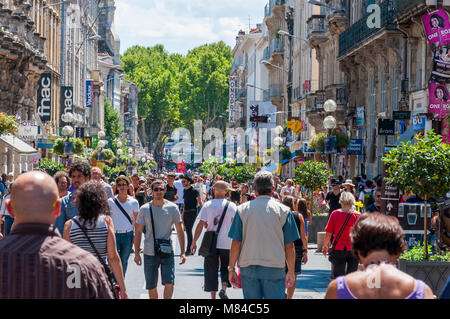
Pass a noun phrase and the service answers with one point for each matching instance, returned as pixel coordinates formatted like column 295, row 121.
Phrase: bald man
column 96, row 175
column 35, row 255
column 210, row 216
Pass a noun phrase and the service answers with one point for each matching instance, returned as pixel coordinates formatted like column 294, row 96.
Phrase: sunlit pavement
column 311, row 284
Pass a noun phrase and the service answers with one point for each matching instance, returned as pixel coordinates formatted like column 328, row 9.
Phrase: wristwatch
column 231, row 269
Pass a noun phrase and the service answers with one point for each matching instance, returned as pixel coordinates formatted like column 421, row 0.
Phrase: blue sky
column 181, row 25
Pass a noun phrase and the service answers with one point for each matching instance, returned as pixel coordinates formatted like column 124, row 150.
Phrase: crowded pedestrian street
column 228, row 157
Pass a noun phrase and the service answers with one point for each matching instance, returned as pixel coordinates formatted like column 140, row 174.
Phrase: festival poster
column 441, row 65
column 438, row 98
column 446, row 132
column 181, row 167
column 437, row 27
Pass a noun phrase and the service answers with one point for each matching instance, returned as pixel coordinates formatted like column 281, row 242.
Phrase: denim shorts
column 151, row 267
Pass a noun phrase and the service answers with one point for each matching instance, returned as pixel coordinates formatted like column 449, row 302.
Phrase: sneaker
column 222, row 294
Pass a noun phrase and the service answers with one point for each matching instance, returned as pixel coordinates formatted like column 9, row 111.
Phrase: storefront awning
column 17, row 144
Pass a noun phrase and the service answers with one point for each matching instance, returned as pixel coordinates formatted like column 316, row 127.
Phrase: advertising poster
column 181, row 167
column 438, row 103
column 356, row 147
column 441, row 64
column 89, row 93
column 437, row 27
column 360, row 116
column 44, row 97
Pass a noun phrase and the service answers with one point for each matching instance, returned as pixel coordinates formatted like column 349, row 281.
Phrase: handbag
column 209, row 242
column 114, row 286
column 163, row 247
column 332, row 251
column 123, row 210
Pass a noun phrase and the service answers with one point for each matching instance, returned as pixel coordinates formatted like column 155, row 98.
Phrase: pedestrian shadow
column 191, row 270
column 310, row 279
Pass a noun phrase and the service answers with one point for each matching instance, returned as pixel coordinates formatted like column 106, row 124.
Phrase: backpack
column 368, row 197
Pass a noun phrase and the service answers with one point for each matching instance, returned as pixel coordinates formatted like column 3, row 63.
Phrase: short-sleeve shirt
column 211, row 213
column 333, row 201
column 121, row 223
column 336, row 222
column 170, row 193
column 164, row 218
column 190, row 198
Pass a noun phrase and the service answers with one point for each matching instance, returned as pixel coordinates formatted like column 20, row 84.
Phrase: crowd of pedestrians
column 83, row 229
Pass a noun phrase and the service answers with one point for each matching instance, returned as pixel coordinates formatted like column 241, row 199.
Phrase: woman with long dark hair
column 92, row 203
column 301, row 245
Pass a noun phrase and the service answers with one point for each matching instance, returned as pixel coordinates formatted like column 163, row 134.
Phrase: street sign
column 355, row 147
column 390, row 195
column 386, row 127
column 402, row 115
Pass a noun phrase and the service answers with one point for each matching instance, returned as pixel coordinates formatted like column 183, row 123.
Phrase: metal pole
column 63, row 43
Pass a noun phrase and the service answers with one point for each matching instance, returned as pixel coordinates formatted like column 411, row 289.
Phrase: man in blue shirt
column 79, row 173
column 263, row 234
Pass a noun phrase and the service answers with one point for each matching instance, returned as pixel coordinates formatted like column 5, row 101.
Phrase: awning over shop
column 18, row 145
column 272, row 167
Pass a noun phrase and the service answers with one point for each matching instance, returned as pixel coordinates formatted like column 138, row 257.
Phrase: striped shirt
column 36, row 263
column 98, row 235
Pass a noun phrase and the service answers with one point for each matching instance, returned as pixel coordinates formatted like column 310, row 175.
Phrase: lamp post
column 329, row 123
column 285, row 33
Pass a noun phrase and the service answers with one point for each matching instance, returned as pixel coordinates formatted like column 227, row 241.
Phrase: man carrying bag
column 216, row 216
column 158, row 217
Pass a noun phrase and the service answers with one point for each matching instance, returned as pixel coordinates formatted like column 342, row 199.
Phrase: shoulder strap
column 90, row 241
column 153, row 225
column 341, row 230
column 123, row 210
column 222, row 217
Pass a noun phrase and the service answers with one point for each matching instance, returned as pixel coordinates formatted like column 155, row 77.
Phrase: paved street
column 311, row 284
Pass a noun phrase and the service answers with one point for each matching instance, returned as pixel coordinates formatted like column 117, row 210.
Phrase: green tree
column 313, row 176
column 113, row 127
column 50, row 167
column 422, row 168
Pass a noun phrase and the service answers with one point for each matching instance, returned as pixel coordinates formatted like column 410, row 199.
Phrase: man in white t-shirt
column 123, row 224
column 288, row 188
column 180, row 193
column 210, row 216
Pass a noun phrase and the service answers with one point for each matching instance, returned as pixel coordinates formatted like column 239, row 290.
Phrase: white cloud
column 182, row 25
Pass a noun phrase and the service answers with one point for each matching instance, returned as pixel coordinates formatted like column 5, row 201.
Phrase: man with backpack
column 366, row 195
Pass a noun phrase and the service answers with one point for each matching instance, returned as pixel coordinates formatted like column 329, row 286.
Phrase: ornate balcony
column 316, row 30
column 360, row 31
column 277, row 46
column 337, row 19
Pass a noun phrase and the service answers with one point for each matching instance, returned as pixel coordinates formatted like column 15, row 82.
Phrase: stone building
column 22, row 57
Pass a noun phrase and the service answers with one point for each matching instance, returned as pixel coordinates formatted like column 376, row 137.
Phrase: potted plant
column 50, row 167
column 422, row 168
column 78, row 146
column 313, row 176
column 433, row 271
column 8, row 124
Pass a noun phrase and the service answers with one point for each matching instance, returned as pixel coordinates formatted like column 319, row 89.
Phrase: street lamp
column 330, row 106
column 252, row 86
column 265, row 62
column 320, row 4
column 282, row 32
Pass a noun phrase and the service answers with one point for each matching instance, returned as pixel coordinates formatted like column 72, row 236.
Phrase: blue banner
column 89, row 93
column 356, row 147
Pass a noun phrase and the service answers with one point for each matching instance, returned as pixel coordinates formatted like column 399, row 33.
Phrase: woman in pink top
column 378, row 241
column 340, row 224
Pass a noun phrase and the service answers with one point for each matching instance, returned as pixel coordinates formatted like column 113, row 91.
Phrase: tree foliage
column 113, row 127
column 50, row 167
column 312, row 175
column 422, row 168
column 175, row 90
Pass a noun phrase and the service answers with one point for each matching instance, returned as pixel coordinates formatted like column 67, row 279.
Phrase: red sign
column 300, row 161
column 307, row 85
column 181, row 167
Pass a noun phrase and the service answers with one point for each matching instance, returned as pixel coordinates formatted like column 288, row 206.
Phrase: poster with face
column 437, row 27
column 441, row 65
column 445, row 131
column 439, row 96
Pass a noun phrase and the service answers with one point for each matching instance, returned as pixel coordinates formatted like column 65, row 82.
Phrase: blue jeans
column 124, row 243
column 254, row 288
column 8, row 224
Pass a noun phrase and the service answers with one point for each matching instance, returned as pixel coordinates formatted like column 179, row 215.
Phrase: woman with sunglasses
column 124, row 210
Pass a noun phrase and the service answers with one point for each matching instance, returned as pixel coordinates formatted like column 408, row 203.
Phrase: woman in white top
column 92, row 205
column 123, row 224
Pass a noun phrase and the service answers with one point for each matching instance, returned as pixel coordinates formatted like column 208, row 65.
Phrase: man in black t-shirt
column 191, row 199
column 171, row 190
column 333, row 197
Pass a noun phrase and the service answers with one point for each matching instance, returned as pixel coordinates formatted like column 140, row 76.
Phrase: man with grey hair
column 263, row 234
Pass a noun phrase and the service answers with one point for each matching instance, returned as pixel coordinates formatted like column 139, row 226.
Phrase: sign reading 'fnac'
column 44, row 97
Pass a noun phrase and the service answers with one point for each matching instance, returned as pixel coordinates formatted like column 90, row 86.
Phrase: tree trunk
column 425, row 237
